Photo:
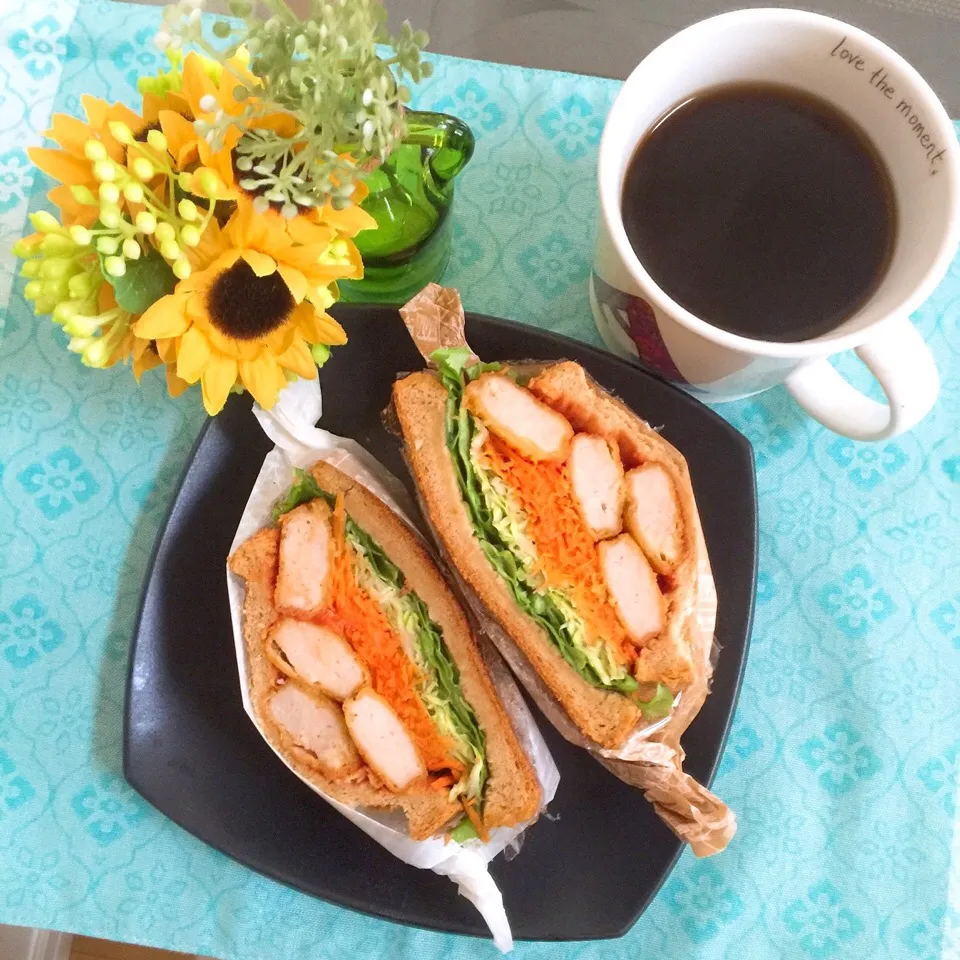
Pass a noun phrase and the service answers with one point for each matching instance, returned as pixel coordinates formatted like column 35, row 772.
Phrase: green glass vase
column 410, row 198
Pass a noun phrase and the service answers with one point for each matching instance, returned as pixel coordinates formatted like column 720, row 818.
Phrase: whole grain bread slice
column 513, row 792
column 420, row 404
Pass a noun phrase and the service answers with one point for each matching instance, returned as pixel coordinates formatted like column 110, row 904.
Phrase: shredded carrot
column 470, row 810
column 362, row 622
column 439, row 783
column 567, row 555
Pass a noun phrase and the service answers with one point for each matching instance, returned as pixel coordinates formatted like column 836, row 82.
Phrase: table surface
column 845, row 752
column 610, row 37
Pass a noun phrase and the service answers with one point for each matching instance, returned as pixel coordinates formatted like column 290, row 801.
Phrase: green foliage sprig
column 325, row 71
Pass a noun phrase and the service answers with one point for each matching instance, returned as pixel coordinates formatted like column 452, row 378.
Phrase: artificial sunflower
column 70, row 165
column 254, row 305
column 208, row 97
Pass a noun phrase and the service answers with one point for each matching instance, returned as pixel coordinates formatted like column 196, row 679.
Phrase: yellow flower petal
column 349, row 221
column 295, row 281
column 196, row 84
column 318, row 327
column 218, row 377
column 71, row 211
column 210, row 247
column 298, row 359
column 167, row 348
column 166, row 318
column 257, row 231
column 193, row 355
column 175, row 386
column 95, row 109
column 61, row 165
column 69, row 132
column 145, row 357
column 305, row 231
column 259, row 263
column 263, row 378
column 181, row 136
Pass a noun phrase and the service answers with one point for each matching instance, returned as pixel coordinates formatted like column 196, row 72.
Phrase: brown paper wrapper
column 435, row 319
column 652, row 757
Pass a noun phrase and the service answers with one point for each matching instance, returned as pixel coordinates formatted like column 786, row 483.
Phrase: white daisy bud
column 107, row 245
column 131, row 249
column 190, row 236
column 165, row 232
column 188, row 210
column 133, row 192
column 170, row 250
column 109, row 192
column 142, row 168
column 146, row 222
column 208, row 103
column 157, row 140
column 181, row 268
column 80, row 235
column 120, row 132
column 114, row 266
column 94, row 150
column 110, row 216
column 64, row 311
column 161, row 39
column 105, row 170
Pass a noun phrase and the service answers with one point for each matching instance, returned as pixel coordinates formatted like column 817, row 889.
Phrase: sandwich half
column 572, row 521
column 365, row 674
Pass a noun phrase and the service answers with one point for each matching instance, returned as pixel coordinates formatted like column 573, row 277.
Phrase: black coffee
column 762, row 210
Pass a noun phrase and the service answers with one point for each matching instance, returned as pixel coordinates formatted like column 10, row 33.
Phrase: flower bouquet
column 207, row 231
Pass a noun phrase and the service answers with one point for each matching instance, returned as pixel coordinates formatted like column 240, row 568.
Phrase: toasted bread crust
column 513, row 792
column 420, row 404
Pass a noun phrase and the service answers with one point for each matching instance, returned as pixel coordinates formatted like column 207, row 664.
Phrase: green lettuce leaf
column 660, row 704
column 450, row 362
column 464, row 831
column 303, row 490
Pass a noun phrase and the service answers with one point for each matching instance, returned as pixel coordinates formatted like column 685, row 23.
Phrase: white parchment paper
column 299, row 444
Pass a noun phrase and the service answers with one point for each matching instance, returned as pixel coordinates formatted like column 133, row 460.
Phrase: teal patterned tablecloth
column 845, row 753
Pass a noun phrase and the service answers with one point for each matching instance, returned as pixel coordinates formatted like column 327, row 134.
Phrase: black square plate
column 192, row 752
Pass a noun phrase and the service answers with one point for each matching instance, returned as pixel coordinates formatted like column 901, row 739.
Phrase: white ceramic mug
column 891, row 102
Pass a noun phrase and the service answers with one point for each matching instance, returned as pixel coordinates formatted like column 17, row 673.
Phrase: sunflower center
column 141, row 135
column 246, row 307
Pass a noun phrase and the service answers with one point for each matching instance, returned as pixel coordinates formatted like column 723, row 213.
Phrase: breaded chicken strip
column 318, row 656
column 306, row 543
column 652, row 515
column 633, row 587
column 383, row 740
column 518, row 417
column 315, row 724
column 597, row 477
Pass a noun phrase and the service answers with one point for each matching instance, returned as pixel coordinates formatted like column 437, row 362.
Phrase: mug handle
column 903, row 366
